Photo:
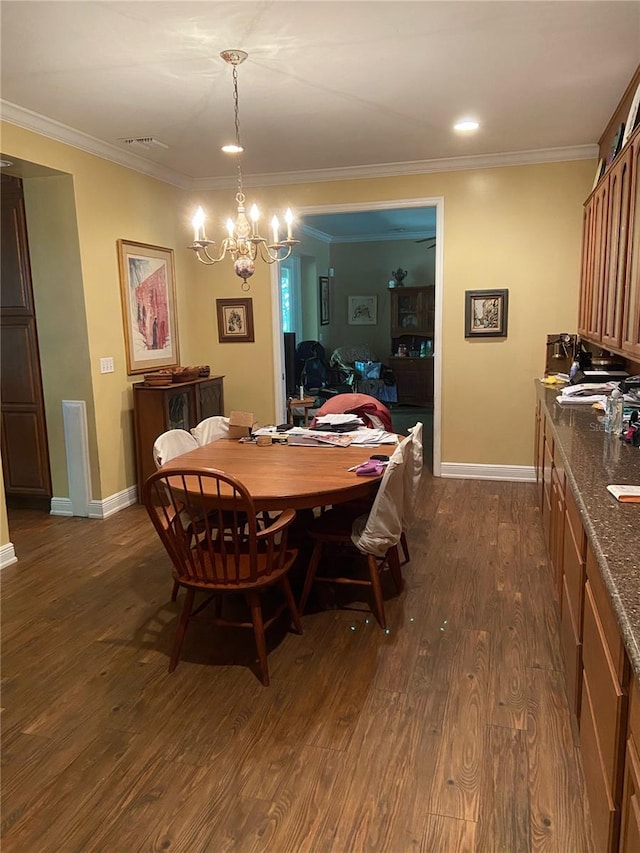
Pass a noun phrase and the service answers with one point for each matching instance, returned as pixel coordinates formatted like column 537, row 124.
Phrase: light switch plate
column 106, row 365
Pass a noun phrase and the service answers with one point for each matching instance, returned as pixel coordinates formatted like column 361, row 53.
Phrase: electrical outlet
column 106, row 365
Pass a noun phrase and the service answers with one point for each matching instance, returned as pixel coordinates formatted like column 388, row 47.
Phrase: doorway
column 434, row 205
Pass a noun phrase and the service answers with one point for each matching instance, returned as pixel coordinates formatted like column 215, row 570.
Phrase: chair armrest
column 282, row 521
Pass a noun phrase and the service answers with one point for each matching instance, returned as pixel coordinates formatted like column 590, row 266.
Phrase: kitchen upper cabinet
column 595, row 263
column 616, row 244
column 609, row 304
column 631, row 304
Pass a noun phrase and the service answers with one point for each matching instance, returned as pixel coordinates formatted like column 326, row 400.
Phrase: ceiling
column 330, row 89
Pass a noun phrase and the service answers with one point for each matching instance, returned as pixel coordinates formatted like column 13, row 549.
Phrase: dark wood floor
column 450, row 733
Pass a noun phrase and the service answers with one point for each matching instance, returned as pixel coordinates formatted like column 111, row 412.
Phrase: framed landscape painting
column 147, row 290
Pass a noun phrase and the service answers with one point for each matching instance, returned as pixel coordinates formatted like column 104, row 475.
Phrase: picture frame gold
column 148, row 296
column 235, row 321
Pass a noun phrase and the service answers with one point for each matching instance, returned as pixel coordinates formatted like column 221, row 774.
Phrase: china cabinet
column 179, row 405
column 412, row 323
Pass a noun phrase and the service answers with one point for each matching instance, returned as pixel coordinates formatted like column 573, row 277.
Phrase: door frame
column 278, row 346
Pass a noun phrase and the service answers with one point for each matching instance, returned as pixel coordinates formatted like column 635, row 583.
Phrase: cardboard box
column 241, row 424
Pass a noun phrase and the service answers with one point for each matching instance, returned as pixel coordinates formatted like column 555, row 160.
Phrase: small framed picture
column 323, row 291
column 363, row 310
column 485, row 313
column 235, row 320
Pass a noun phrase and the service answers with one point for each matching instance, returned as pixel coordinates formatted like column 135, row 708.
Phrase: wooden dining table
column 279, row 476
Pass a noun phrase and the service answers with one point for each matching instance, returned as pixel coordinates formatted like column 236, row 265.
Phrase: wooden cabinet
column 574, row 549
column 412, row 315
column 616, row 245
column 630, row 825
column 631, row 306
column 603, row 715
column 412, row 319
column 181, row 405
column 594, row 263
column 414, row 380
column 609, row 305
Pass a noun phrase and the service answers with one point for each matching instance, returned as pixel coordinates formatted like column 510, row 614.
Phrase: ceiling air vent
column 142, row 142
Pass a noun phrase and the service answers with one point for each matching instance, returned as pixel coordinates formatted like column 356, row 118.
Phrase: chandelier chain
column 236, row 113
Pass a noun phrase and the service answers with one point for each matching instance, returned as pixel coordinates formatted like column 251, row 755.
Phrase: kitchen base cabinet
column 603, row 714
column 630, row 827
column 181, row 405
column 572, row 605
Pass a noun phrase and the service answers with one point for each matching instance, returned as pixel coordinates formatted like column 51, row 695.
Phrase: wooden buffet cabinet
column 412, row 321
column 180, row 405
column 598, row 674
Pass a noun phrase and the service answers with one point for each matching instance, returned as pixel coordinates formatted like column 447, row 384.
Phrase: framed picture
column 633, row 117
column 235, row 321
column 363, row 310
column 148, row 291
column 323, row 291
column 485, row 313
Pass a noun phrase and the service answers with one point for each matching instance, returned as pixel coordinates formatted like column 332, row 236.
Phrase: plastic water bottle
column 617, row 406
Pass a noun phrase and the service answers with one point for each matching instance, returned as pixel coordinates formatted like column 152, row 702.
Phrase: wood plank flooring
column 449, row 734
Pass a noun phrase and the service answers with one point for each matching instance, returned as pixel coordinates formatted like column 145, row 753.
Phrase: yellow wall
column 515, row 227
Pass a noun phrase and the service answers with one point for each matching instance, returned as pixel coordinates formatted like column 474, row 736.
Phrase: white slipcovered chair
column 172, row 443
column 211, row 429
column 375, row 534
column 168, row 445
column 412, row 473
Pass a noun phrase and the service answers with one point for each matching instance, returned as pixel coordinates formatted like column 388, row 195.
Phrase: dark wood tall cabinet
column 180, row 405
column 412, row 323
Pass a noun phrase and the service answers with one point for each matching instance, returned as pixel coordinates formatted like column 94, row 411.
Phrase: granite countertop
column 593, row 460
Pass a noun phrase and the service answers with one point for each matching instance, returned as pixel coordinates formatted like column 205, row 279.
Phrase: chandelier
column 243, row 242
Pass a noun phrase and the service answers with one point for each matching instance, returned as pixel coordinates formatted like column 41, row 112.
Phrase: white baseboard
column 467, row 471
column 7, row 555
column 98, row 509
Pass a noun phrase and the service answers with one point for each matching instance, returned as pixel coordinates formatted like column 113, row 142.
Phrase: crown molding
column 17, row 115
column 52, row 129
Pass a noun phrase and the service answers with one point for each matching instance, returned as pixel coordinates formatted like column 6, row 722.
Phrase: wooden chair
column 206, row 520
column 375, row 534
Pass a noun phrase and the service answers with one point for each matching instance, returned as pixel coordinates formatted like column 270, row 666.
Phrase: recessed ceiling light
column 232, row 149
column 466, row 124
column 5, row 163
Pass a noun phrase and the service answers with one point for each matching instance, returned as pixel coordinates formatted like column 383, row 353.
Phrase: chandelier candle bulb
column 274, row 225
column 198, row 226
column 288, row 219
column 254, row 213
column 230, row 228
